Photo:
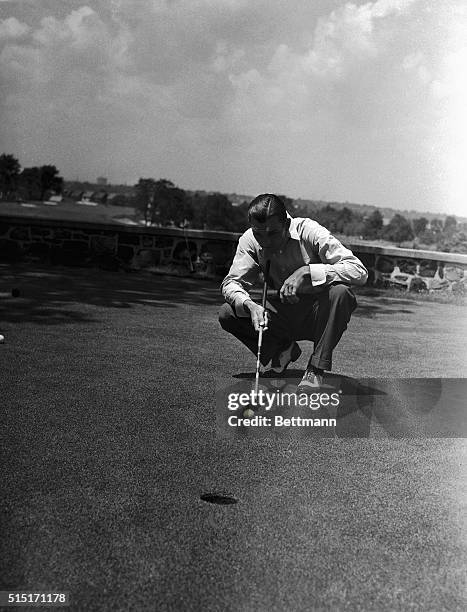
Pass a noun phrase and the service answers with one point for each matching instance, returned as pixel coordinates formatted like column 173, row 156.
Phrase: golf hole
column 221, row 499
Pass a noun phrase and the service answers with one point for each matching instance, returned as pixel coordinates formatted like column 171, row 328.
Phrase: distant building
column 101, row 180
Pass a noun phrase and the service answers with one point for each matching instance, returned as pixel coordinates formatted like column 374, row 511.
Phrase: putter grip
column 265, row 284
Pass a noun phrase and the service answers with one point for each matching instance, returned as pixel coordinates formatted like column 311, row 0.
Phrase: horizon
column 400, row 210
column 335, row 101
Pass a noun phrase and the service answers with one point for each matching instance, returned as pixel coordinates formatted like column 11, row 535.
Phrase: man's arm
column 298, row 282
column 338, row 262
column 242, row 275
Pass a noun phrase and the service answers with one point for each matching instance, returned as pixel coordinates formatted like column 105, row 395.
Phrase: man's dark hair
column 265, row 206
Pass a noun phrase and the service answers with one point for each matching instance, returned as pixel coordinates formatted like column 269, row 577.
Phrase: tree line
column 436, row 234
column 27, row 183
column 162, row 203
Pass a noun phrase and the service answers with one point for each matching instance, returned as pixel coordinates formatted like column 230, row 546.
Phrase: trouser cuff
column 322, row 364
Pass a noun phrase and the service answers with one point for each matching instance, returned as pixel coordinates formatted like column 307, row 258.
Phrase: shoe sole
column 307, row 387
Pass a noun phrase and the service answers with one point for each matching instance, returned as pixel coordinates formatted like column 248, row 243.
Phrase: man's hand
column 293, row 284
column 258, row 315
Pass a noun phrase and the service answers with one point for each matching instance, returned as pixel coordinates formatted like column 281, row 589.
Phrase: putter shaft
column 258, row 362
column 261, row 329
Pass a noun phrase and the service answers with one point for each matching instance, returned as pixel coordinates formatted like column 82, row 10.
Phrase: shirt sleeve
column 242, row 275
column 338, row 262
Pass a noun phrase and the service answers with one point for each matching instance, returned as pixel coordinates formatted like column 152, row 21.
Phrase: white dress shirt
column 309, row 244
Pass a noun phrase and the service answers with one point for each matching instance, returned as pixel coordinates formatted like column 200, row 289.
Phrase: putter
column 261, row 329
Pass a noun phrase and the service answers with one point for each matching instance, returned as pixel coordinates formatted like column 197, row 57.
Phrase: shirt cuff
column 240, row 310
column 318, row 274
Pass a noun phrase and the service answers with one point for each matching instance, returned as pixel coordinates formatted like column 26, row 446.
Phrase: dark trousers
column 322, row 318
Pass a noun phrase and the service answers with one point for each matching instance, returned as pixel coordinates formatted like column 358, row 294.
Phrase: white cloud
column 12, row 28
column 449, row 89
column 305, row 98
column 415, row 64
column 413, row 60
column 346, row 45
column 383, row 8
column 72, row 29
column 54, row 82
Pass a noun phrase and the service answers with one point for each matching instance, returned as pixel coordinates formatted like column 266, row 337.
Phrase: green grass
column 436, row 297
column 68, row 211
column 109, row 437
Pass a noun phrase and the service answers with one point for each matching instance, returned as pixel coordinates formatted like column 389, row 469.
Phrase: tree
column 344, row 219
column 355, row 227
column 419, row 225
column 214, row 211
column 436, row 225
column 144, row 200
column 450, row 223
column 240, row 217
column 288, row 203
column 328, row 217
column 398, row 229
column 427, row 237
column 36, row 181
column 373, row 225
column 170, row 204
column 30, row 183
column 162, row 202
column 50, row 180
column 9, row 172
column 220, row 212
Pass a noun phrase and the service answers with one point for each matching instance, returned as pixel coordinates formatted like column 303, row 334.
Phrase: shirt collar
column 293, row 228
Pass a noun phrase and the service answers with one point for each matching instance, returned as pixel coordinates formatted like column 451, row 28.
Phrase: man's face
column 272, row 234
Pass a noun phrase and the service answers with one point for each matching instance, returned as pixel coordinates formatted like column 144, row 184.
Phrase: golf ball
column 2, row 339
column 248, row 413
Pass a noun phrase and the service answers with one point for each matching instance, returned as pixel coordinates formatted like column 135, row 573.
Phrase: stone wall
column 113, row 247
column 412, row 269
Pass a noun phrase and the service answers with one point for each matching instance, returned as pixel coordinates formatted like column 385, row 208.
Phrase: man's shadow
column 381, row 407
column 350, row 401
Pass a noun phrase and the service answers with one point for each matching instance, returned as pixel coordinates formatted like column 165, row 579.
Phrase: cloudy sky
column 357, row 101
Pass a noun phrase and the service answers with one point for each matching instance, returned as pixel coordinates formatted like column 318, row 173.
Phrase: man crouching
column 311, row 272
